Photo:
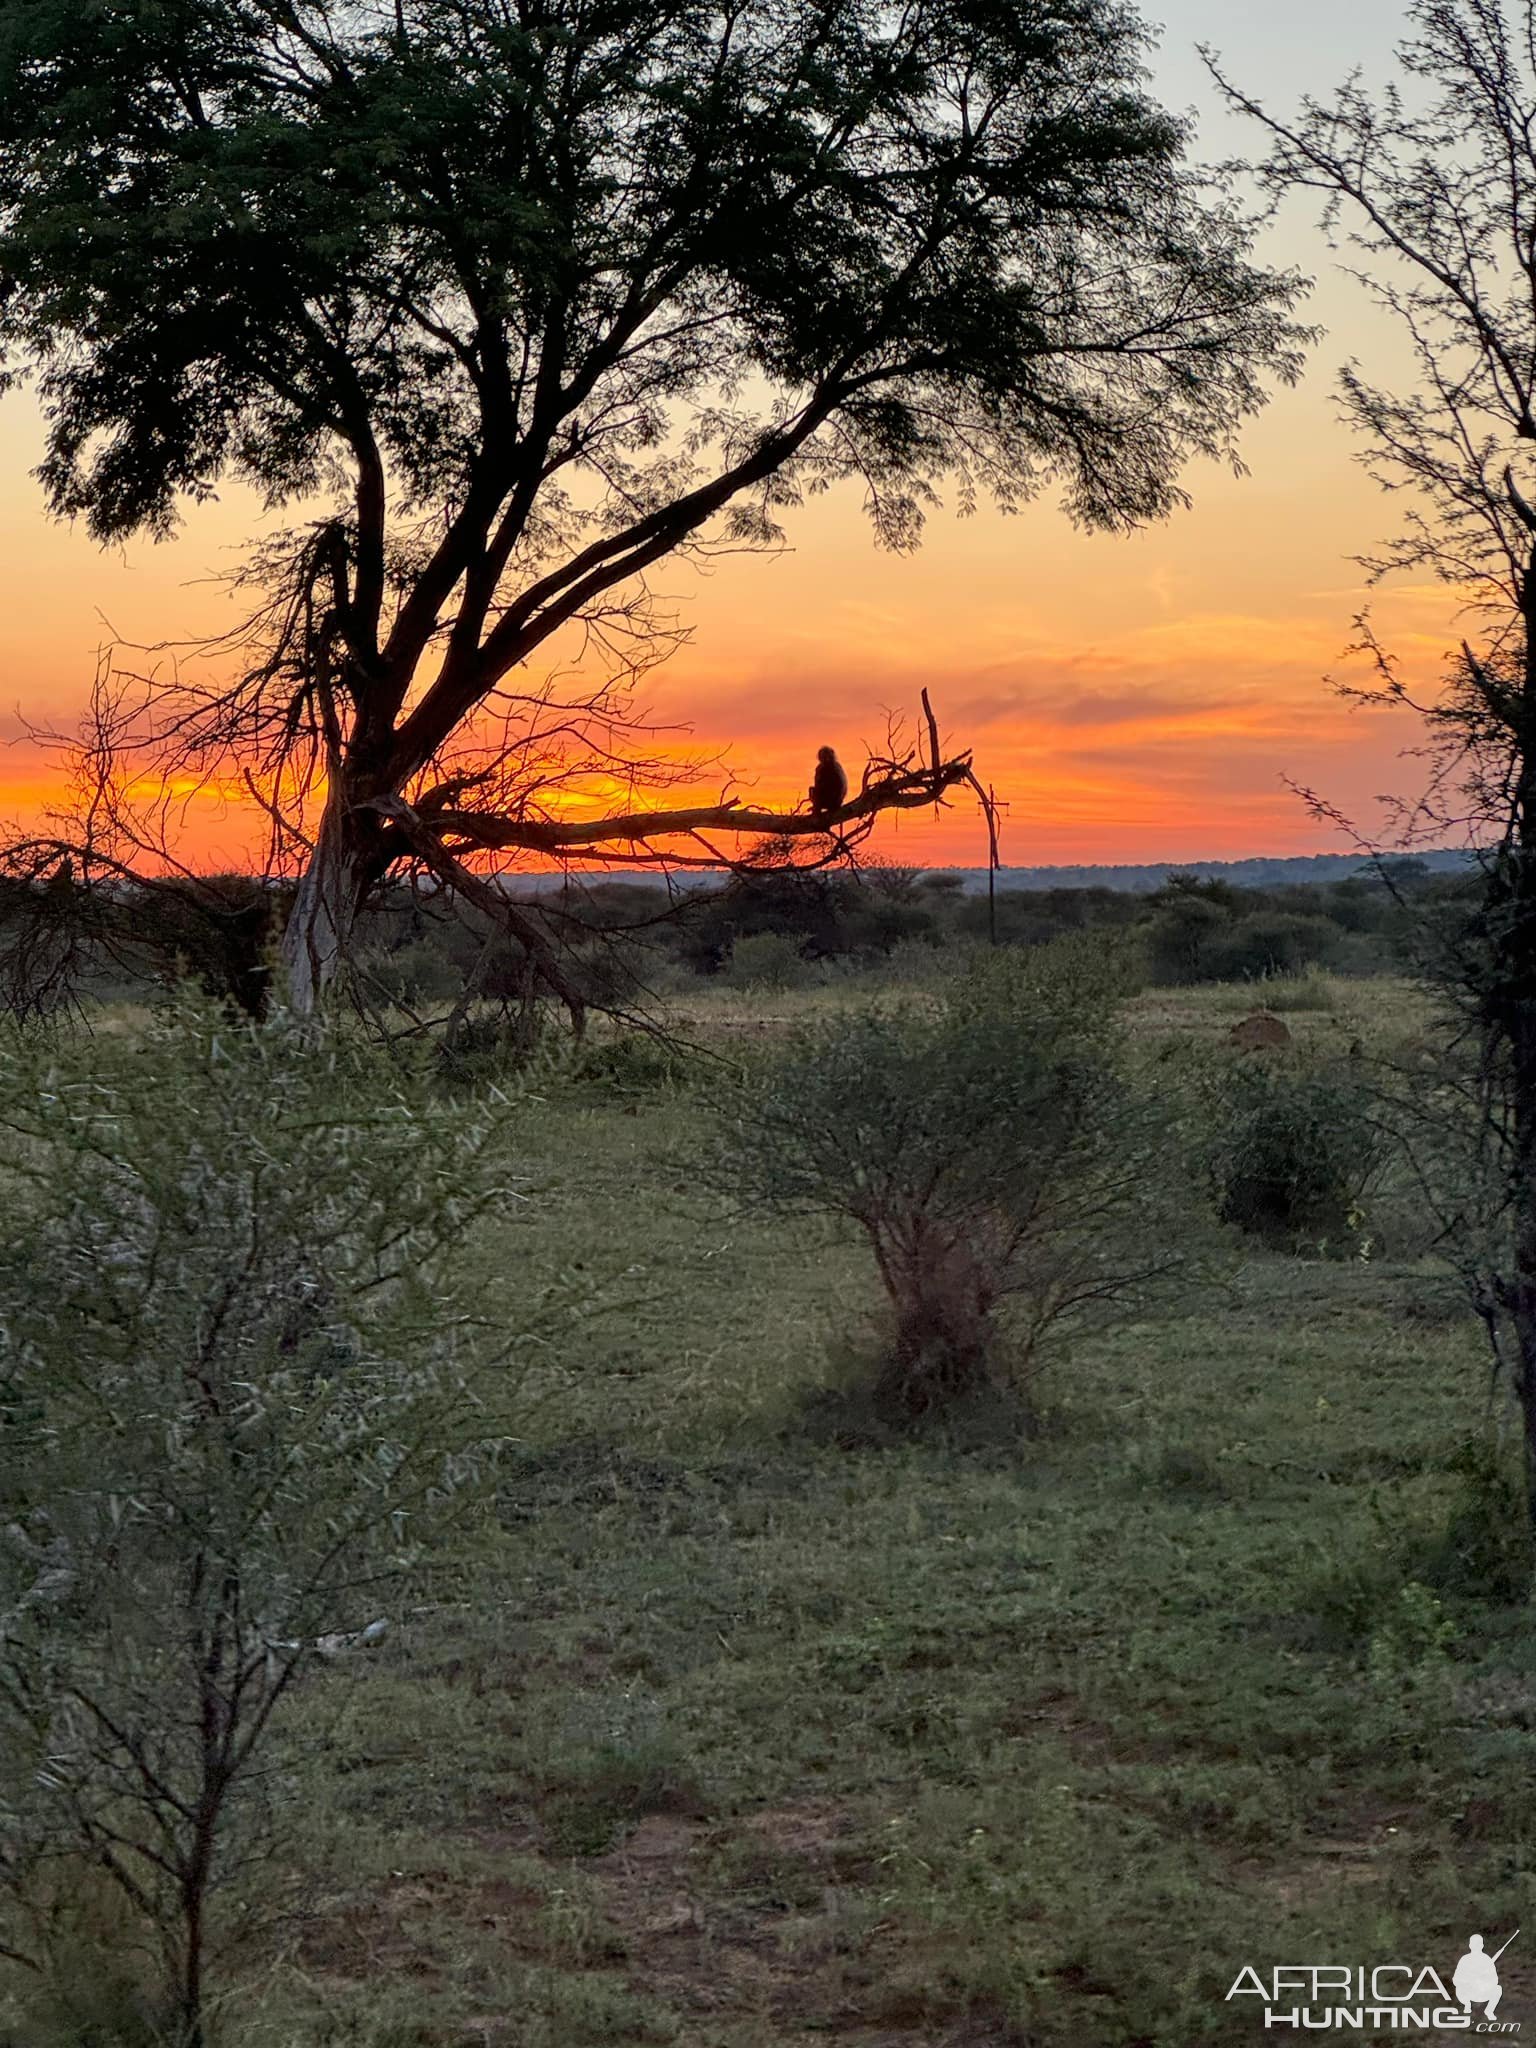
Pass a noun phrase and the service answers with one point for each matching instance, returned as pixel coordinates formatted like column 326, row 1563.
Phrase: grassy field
column 723, row 1737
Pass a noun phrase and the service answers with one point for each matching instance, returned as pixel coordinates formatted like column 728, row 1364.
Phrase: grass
column 715, row 1737
column 742, row 1742
column 1328, row 1010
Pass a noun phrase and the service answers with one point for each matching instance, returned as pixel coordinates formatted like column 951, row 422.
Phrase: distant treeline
column 778, row 927
column 774, row 928
column 1259, row 871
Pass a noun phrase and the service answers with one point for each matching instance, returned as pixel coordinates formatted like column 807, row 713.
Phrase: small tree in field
column 1006, row 1174
column 238, row 1395
column 519, row 301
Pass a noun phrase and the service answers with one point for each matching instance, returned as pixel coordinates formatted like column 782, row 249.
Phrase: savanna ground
column 724, row 1736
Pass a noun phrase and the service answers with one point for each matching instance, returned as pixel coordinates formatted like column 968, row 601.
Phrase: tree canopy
column 533, row 293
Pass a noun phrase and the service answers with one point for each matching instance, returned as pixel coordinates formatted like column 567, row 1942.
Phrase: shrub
column 415, row 975
column 1181, row 938
column 494, row 1046
column 1407, row 1651
column 1482, row 1549
column 239, row 1393
column 768, row 960
column 1034, row 917
column 630, row 1063
column 1202, row 933
column 1429, row 1564
column 1267, row 944
column 1294, row 1149
column 603, row 970
column 994, row 1152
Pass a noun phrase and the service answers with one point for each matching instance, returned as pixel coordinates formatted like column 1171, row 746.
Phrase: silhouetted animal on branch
column 829, row 791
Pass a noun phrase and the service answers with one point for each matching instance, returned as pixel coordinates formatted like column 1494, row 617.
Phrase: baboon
column 829, row 791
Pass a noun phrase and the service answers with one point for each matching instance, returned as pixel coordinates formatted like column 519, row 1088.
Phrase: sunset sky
column 1133, row 700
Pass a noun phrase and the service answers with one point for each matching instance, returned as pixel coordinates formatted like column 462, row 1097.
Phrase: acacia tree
column 1431, row 184
column 544, row 291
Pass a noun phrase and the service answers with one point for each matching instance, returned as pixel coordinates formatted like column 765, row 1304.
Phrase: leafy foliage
column 1294, row 1148
column 1207, row 931
column 991, row 1147
column 244, row 235
column 521, row 302
column 1432, row 183
column 238, row 1392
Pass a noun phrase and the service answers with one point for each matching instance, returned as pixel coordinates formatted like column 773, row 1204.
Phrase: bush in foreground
column 239, row 1395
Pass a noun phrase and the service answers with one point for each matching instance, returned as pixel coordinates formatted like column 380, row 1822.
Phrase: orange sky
column 1133, row 700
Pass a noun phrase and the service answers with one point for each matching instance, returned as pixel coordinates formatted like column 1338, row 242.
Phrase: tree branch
column 909, row 791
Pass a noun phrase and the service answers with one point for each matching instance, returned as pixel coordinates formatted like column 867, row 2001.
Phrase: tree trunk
column 192, row 1968
column 1524, row 1320
column 943, row 1340
column 1516, row 993
column 1521, row 998
column 320, row 924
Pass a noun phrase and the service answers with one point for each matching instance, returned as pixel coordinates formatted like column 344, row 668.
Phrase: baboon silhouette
column 829, row 791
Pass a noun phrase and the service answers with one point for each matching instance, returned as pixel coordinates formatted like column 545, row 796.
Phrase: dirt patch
column 811, row 1967
column 1094, row 1743
column 1333, row 1864
column 647, row 1882
column 391, row 1929
column 1361, row 1842
column 750, row 1956
column 812, row 1828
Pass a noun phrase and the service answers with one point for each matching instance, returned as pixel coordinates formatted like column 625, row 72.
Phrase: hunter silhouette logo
column 1402, row 1996
column 1476, row 1981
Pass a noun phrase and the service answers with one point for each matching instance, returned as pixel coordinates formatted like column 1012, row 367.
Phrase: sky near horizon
column 1132, row 699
